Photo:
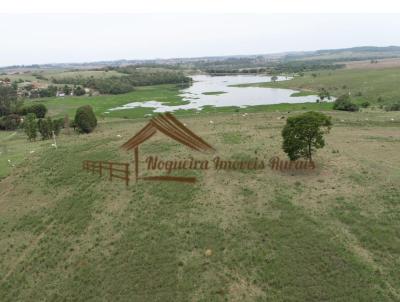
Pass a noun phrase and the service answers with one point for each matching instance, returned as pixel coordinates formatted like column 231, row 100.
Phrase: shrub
column 304, row 133
column 85, row 120
column 39, row 110
column 10, row 122
column 324, row 94
column 393, row 107
column 48, row 92
column 365, row 104
column 78, row 91
column 72, row 124
column 30, row 126
column 48, row 126
column 67, row 90
column 45, row 128
column 344, row 103
column 57, row 125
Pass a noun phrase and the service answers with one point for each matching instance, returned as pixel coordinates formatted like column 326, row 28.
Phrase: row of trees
column 122, row 84
column 45, row 126
column 51, row 91
column 257, row 66
column 13, row 120
column 85, row 122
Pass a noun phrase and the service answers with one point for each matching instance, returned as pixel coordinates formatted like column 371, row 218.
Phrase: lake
column 217, row 91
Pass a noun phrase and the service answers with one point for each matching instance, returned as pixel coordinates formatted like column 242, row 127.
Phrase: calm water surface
column 232, row 96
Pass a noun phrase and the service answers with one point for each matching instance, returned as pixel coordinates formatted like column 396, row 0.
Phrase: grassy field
column 364, row 84
column 162, row 93
column 31, row 75
column 168, row 94
column 378, row 86
column 87, row 74
column 327, row 235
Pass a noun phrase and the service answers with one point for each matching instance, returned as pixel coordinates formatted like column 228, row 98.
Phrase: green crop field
column 326, row 235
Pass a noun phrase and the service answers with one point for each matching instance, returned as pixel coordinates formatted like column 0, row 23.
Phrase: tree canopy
column 303, row 134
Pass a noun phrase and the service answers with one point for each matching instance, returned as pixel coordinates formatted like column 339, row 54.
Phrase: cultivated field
column 326, row 235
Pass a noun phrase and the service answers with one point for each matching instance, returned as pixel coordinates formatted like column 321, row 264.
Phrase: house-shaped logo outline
column 170, row 126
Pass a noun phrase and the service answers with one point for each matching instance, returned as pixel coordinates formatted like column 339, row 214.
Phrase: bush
column 72, row 124
column 48, row 126
column 30, row 126
column 48, row 92
column 45, row 128
column 393, row 107
column 78, row 91
column 57, row 125
column 344, row 103
column 10, row 122
column 365, row 104
column 85, row 120
column 39, row 110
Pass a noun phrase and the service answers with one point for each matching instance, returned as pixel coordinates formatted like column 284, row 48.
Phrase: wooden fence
column 109, row 168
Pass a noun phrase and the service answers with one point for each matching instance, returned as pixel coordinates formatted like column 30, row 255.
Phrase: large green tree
column 303, row 134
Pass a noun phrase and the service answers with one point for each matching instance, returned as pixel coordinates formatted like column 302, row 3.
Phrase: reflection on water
column 232, row 96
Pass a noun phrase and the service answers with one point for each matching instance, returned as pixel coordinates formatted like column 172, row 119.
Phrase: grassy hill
column 328, row 235
column 348, row 54
column 364, row 84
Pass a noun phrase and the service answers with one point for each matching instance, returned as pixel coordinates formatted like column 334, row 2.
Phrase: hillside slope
column 328, row 235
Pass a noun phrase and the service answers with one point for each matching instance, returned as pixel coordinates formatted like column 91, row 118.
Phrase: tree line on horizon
column 131, row 78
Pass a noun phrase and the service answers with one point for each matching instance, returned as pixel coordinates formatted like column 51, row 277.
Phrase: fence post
column 110, row 166
column 126, row 174
column 101, row 168
column 136, row 163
